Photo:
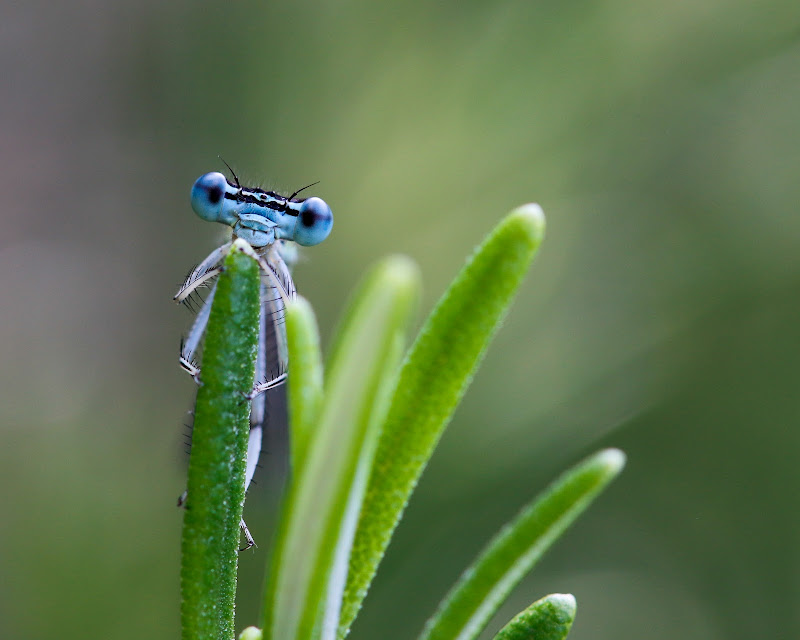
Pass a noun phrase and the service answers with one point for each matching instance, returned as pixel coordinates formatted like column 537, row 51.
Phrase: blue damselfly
column 271, row 224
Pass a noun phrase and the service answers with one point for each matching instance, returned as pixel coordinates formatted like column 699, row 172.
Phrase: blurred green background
column 661, row 316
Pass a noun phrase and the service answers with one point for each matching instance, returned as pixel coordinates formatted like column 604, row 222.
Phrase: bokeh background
column 661, row 316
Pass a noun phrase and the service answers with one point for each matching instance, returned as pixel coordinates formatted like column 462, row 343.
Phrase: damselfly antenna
column 233, row 173
column 299, row 190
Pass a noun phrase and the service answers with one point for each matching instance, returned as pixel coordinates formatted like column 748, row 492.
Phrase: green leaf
column 484, row 586
column 305, row 383
column 550, row 618
column 433, row 379
column 219, row 449
column 303, row 595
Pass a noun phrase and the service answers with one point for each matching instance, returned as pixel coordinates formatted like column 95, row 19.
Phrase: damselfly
column 270, row 223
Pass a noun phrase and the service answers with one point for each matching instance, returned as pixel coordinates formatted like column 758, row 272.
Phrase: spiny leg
column 202, row 273
column 271, row 349
column 192, row 342
column 272, row 340
column 200, row 276
column 280, row 273
column 247, row 536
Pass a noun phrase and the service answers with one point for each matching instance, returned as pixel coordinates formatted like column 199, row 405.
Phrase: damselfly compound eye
column 208, row 195
column 314, row 222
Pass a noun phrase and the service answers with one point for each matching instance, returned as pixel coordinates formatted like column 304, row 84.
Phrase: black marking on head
column 266, row 199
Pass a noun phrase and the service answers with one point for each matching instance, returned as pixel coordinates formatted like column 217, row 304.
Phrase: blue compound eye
column 314, row 222
column 208, row 196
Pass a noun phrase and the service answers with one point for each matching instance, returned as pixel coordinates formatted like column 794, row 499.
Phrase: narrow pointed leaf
column 550, row 618
column 219, row 448
column 434, row 376
column 508, row 557
column 340, row 565
column 332, row 475
column 305, row 383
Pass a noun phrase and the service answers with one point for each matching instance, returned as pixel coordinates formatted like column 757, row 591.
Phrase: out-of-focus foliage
column 662, row 140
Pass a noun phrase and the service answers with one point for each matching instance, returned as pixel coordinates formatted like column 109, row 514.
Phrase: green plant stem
column 434, row 376
column 219, row 448
column 318, row 519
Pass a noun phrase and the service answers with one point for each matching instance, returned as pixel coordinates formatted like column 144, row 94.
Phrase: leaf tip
column 613, row 460
column 564, row 603
column 242, row 246
column 531, row 217
column 299, row 306
column 251, row 633
column 403, row 272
